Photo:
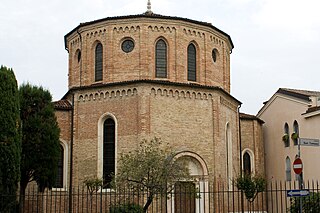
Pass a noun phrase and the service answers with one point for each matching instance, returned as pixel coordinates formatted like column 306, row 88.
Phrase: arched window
column 295, row 133
column 161, row 59
column 98, row 62
column 288, row 169
column 108, row 151
column 247, row 163
column 286, row 135
column 60, row 169
column 192, row 62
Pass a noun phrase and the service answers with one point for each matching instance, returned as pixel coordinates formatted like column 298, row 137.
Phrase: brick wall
column 140, row 63
column 252, row 140
column 192, row 118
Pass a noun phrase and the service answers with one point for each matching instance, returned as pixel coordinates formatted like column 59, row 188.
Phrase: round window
column 127, row 45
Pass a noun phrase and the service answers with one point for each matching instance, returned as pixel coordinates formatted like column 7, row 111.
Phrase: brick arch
column 196, row 158
column 200, row 171
column 94, row 44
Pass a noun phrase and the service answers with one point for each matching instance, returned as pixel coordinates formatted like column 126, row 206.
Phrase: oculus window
column 127, row 45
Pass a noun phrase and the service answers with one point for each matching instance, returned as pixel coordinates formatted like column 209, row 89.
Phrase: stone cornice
column 150, row 81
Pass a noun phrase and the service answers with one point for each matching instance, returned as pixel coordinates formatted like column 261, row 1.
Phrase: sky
column 277, row 42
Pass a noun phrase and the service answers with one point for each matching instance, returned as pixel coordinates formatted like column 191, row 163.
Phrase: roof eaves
column 144, row 15
column 162, row 82
column 293, row 94
column 62, row 105
column 244, row 116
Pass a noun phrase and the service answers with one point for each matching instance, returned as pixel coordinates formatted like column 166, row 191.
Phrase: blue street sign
column 298, row 193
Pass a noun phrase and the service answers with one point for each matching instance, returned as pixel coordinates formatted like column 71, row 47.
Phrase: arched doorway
column 187, row 194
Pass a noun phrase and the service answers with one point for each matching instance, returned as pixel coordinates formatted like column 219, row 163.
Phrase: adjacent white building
column 287, row 112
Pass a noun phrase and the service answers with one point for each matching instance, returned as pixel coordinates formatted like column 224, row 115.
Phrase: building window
column 247, row 163
column 127, row 45
column 285, row 136
column 295, row 134
column 161, row 59
column 288, row 169
column 60, row 172
column 79, row 56
column 192, row 62
column 214, row 55
column 98, row 62
column 108, row 151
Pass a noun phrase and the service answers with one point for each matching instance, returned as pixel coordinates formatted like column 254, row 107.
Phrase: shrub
column 251, row 185
column 93, row 185
column 126, row 208
column 309, row 204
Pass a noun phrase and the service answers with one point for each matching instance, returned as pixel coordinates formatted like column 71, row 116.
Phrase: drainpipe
column 240, row 144
column 71, row 156
column 80, row 74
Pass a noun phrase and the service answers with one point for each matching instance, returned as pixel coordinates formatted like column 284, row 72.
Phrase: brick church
column 142, row 76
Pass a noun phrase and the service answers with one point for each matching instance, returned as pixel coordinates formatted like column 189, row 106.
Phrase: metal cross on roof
column 149, row 7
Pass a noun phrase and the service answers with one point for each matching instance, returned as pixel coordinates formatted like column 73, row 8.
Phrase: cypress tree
column 10, row 140
column 40, row 138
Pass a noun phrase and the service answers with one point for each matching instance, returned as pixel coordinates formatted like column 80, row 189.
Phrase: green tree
column 93, row 185
column 10, row 139
column 40, row 138
column 251, row 185
column 150, row 168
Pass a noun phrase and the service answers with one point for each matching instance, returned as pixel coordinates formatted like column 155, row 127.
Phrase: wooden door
column 184, row 197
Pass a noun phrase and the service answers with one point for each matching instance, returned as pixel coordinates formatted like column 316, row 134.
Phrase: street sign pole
column 300, row 176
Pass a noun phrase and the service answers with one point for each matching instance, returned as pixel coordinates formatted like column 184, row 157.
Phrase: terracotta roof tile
column 62, row 105
column 250, row 117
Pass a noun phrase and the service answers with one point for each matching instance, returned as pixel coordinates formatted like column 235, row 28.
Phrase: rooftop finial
column 149, row 7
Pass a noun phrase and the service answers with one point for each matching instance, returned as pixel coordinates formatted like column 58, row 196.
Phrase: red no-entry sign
column 297, row 166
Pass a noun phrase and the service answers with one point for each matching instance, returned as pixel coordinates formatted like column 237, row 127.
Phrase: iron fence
column 278, row 196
